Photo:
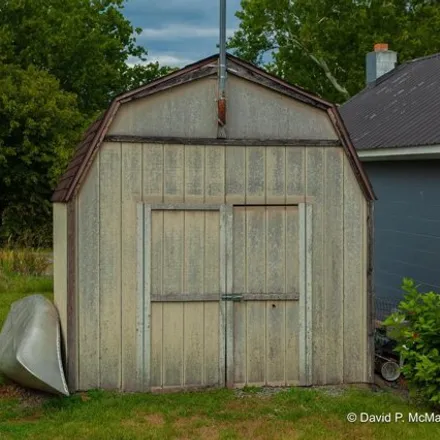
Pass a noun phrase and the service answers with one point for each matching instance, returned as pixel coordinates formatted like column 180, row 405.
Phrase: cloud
column 178, row 32
column 163, row 60
column 173, row 32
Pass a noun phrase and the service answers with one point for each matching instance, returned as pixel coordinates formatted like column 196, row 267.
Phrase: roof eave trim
column 400, row 153
column 355, row 162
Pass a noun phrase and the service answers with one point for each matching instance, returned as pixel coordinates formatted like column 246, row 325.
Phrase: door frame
column 226, row 306
column 145, row 298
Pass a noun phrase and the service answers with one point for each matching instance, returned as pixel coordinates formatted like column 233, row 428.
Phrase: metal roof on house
column 400, row 109
column 71, row 180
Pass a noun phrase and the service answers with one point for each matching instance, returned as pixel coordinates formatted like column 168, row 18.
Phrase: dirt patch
column 340, row 427
column 246, row 405
column 27, row 398
column 155, row 419
column 209, row 432
column 32, row 418
column 84, row 397
column 10, row 391
column 184, row 422
column 263, row 429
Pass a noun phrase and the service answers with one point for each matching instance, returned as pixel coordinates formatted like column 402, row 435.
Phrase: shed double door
column 218, row 297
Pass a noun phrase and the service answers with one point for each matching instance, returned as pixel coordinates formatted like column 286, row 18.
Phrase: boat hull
column 30, row 346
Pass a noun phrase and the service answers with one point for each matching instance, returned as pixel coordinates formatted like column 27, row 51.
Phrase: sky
column 179, row 32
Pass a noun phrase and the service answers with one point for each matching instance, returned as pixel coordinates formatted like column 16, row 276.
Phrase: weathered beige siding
column 185, row 334
column 186, row 111
column 252, row 112
column 60, row 264
column 258, row 113
column 266, row 261
column 89, row 280
column 124, row 174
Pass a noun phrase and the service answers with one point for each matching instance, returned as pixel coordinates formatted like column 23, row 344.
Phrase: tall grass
column 22, row 272
column 23, row 262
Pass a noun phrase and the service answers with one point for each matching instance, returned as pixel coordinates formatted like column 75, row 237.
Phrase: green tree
column 85, row 44
column 39, row 124
column 61, row 62
column 321, row 44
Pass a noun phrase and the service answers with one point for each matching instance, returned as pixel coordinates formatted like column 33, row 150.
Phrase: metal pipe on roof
column 222, row 66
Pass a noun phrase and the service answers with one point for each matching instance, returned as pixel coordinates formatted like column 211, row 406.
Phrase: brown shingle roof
column 93, row 137
column 400, row 109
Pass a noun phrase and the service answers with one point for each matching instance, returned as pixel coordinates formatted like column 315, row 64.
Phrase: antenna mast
column 222, row 68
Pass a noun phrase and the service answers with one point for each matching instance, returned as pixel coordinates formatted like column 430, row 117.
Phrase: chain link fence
column 385, row 307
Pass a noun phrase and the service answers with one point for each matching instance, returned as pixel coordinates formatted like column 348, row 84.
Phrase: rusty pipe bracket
column 221, row 111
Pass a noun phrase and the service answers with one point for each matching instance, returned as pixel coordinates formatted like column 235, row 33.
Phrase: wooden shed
column 198, row 244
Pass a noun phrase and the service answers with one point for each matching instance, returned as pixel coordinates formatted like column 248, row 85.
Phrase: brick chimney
column 379, row 62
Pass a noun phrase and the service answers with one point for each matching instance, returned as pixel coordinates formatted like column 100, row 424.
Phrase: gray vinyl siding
column 407, row 225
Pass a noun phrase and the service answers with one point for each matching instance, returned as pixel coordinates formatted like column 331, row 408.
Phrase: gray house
column 394, row 125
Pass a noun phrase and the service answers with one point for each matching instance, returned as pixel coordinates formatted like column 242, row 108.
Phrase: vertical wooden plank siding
column 265, row 341
column 188, row 251
column 174, row 173
column 193, row 277
column 334, row 265
column 296, row 173
column 131, row 194
column 215, row 174
column 173, row 344
column 194, row 173
column 239, row 285
column 88, row 281
column 157, row 258
column 276, row 175
column 292, row 317
column 309, row 292
column 256, row 258
column 255, row 175
column 110, row 265
column 60, row 265
column 275, row 249
column 185, row 253
column 146, row 336
column 354, row 286
column 302, row 306
column 315, row 178
column 152, row 173
column 369, row 287
column 173, row 330
column 229, row 262
column 72, row 297
column 140, row 303
column 222, row 304
column 235, row 175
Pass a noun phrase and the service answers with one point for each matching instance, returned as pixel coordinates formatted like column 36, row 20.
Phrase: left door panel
column 181, row 294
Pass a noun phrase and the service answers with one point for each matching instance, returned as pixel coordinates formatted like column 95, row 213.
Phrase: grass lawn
column 221, row 414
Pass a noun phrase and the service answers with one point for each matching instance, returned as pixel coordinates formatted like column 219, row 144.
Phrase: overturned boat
column 30, row 346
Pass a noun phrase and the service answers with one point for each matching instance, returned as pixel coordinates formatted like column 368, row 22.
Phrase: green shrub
column 23, row 262
column 416, row 328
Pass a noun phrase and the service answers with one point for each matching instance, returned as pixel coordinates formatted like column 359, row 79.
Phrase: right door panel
column 266, row 275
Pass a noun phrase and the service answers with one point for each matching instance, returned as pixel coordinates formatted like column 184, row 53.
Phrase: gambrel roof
column 95, row 135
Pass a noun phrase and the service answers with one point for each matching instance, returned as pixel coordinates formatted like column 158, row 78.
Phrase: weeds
column 31, row 262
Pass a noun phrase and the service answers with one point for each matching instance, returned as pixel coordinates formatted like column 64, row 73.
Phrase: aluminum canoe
column 30, row 346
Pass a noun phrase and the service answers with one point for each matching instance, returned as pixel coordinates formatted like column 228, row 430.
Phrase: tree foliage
column 321, row 44
column 85, row 44
column 61, row 62
column 39, row 123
